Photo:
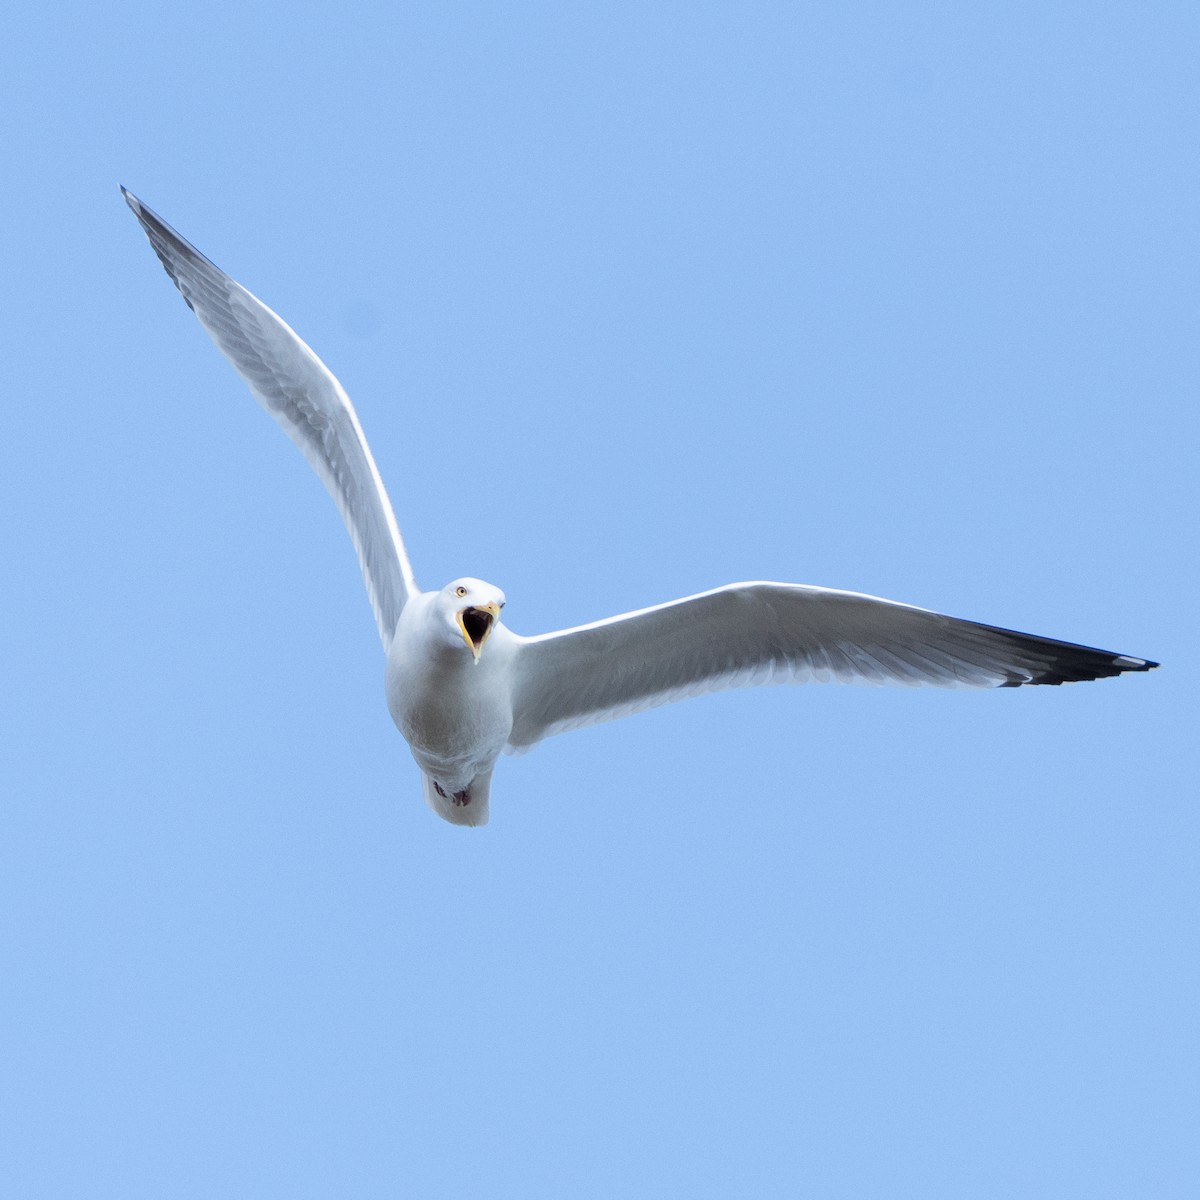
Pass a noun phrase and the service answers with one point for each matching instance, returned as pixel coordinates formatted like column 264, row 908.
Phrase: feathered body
column 454, row 710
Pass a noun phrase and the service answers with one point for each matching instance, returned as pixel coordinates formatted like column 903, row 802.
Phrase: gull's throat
column 476, row 624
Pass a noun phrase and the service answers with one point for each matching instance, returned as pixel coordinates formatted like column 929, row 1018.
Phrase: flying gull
column 462, row 688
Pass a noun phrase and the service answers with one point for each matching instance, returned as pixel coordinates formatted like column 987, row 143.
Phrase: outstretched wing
column 756, row 633
column 301, row 393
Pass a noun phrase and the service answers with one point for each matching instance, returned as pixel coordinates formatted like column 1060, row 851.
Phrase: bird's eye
column 460, row 590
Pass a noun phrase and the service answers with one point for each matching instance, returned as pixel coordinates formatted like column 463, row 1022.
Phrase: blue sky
column 633, row 300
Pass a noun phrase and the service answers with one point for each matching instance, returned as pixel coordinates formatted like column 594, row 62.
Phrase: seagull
column 462, row 688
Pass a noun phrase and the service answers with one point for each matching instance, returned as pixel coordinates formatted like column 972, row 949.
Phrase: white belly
column 454, row 713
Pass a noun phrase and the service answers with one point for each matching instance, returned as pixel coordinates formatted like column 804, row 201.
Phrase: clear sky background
column 634, row 299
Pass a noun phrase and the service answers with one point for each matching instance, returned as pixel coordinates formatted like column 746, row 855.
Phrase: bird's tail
column 467, row 807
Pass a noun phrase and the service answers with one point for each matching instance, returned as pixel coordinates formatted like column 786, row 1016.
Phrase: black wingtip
column 1078, row 667
column 143, row 214
column 1046, row 661
column 163, row 235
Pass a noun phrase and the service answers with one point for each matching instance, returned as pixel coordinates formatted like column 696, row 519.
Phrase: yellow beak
column 476, row 623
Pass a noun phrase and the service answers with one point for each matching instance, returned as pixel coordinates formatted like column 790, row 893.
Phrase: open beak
column 476, row 624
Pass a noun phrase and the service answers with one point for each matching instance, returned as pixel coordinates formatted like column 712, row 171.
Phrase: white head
column 472, row 611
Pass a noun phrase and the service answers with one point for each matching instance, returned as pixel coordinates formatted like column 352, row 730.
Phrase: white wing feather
column 755, row 633
column 302, row 394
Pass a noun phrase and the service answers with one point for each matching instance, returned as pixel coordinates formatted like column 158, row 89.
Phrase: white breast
column 455, row 713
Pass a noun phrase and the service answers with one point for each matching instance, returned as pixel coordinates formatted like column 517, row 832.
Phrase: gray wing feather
column 748, row 634
column 301, row 393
